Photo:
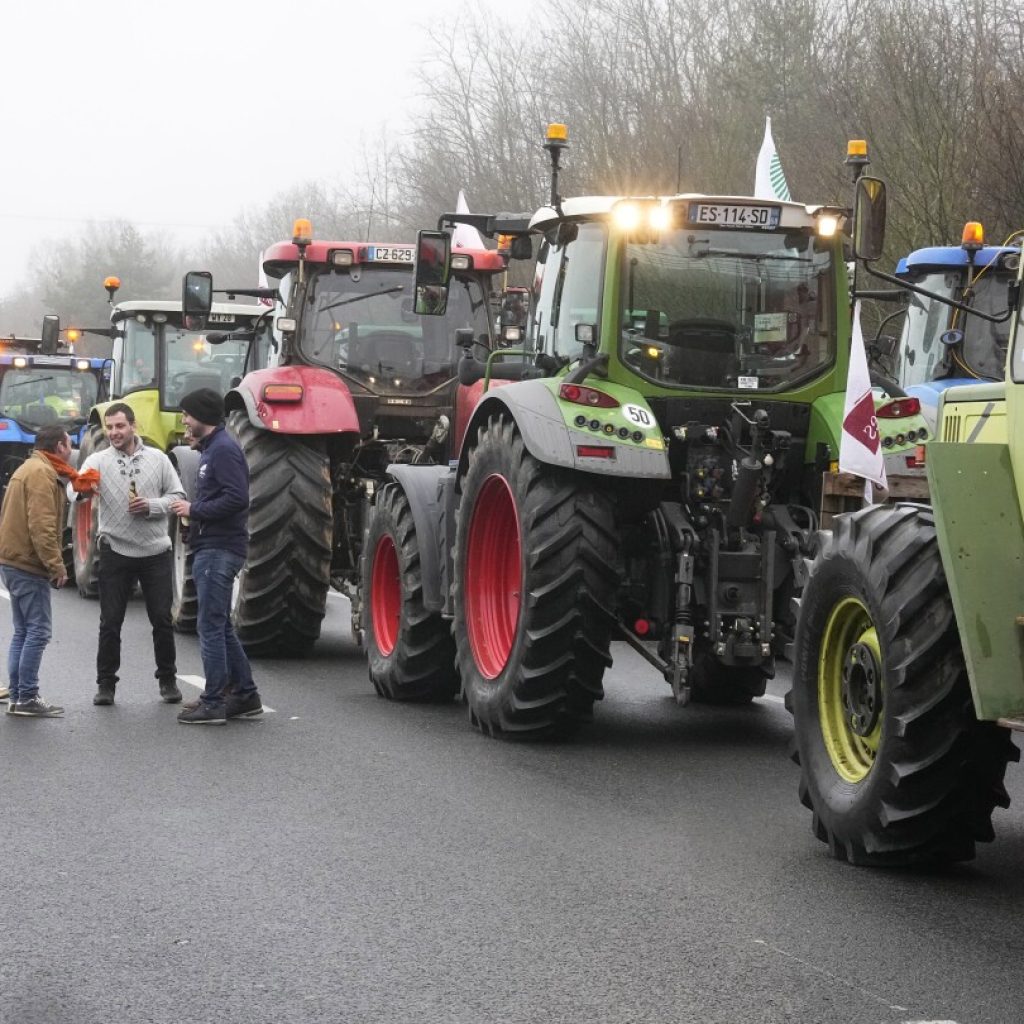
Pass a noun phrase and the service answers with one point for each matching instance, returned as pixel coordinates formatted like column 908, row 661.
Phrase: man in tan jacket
column 31, row 562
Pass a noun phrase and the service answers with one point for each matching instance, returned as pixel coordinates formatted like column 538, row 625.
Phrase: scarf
column 83, row 482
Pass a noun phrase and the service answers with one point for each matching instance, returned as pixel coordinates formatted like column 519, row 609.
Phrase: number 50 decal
column 638, row 414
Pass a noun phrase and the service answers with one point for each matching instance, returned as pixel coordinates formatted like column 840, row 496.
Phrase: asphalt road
column 347, row 859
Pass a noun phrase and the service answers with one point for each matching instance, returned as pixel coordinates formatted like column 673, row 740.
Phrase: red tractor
column 356, row 380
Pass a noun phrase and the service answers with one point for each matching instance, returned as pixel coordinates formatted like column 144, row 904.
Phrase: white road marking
column 199, row 682
column 829, row 974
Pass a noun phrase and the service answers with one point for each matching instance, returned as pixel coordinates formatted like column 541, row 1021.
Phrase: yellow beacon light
column 857, row 148
column 973, row 236
column 73, row 335
column 302, row 231
column 557, row 133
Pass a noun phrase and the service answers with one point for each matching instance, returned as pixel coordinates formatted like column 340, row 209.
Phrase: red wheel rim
column 386, row 600
column 494, row 577
column 83, row 528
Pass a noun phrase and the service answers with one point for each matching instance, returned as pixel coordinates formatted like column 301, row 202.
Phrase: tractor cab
column 349, row 307
column 941, row 345
column 155, row 349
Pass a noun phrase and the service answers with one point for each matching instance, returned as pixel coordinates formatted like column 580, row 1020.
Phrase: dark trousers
column 117, row 577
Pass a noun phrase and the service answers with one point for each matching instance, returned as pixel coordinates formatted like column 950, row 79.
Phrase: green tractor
column 650, row 469
column 158, row 356
column 908, row 676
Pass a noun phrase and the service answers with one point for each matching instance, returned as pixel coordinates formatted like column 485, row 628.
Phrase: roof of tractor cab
column 938, row 257
column 281, row 257
column 123, row 310
column 57, row 359
column 793, row 215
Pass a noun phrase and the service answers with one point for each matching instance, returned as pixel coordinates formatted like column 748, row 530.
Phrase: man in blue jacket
column 218, row 537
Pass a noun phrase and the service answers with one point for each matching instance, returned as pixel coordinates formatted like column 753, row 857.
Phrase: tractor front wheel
column 894, row 765
column 185, row 602
column 410, row 649
column 282, row 591
column 535, row 578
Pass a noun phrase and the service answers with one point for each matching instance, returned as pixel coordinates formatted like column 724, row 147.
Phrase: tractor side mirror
column 432, row 272
column 50, row 334
column 521, row 248
column 869, row 219
column 197, row 295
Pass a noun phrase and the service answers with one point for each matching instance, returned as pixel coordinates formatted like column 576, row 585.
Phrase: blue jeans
column 33, row 627
column 224, row 661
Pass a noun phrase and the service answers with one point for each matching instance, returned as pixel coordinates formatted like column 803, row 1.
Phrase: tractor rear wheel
column 411, row 651
column 282, row 591
column 185, row 603
column 536, row 557
column 894, row 764
column 84, row 549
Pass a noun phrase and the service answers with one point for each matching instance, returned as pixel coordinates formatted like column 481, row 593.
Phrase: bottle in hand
column 133, row 491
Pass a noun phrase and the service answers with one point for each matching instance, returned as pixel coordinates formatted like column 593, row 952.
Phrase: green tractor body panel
column 981, row 537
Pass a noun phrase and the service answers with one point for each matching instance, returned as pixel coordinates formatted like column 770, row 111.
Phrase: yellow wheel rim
column 850, row 690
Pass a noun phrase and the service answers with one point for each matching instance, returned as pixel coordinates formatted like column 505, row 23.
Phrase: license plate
column 220, row 318
column 732, row 215
column 391, row 254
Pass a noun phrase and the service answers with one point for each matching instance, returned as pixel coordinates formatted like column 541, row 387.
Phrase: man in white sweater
column 136, row 488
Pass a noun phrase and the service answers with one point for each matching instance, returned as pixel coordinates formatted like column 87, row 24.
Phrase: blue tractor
column 41, row 384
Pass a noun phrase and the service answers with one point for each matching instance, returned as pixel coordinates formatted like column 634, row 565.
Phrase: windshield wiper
column 31, row 380
column 359, row 298
column 749, row 255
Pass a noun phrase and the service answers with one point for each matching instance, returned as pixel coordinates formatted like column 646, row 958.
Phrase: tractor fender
column 325, row 406
column 428, row 490
column 186, row 463
column 538, row 417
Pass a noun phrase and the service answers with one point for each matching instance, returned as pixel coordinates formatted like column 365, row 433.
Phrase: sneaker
column 202, row 715
column 244, row 707
column 104, row 695
column 36, row 708
column 11, row 706
column 4, row 694
column 191, row 705
column 169, row 693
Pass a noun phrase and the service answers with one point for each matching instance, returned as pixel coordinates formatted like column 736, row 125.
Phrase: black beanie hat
column 205, row 405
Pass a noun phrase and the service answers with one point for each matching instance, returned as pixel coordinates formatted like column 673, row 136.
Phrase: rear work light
column 898, row 409
column 580, row 395
column 462, row 262
column 82, row 364
column 342, row 257
column 282, row 393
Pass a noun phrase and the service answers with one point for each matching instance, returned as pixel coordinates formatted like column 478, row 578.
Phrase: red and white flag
column 465, row 236
column 860, row 447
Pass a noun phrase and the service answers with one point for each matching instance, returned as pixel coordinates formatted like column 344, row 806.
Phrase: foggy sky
column 176, row 116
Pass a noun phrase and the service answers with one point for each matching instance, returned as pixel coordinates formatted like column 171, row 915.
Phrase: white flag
column 465, row 236
column 860, row 449
column 769, row 181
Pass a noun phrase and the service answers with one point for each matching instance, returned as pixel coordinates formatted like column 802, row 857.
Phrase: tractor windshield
column 923, row 356
column 752, row 310
column 360, row 320
column 37, row 396
column 158, row 350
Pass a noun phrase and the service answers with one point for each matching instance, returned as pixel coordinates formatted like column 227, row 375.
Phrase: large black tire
column 410, row 649
column 184, row 602
column 536, row 557
column 894, row 764
column 282, row 591
column 84, row 549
